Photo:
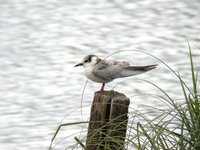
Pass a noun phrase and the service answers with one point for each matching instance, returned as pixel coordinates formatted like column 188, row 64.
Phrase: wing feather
column 109, row 70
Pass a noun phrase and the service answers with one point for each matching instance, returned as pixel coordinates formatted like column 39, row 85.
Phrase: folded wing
column 110, row 70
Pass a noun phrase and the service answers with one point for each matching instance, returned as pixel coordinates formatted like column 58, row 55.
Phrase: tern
column 104, row 71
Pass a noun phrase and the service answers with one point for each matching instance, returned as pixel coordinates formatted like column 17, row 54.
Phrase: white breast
column 89, row 75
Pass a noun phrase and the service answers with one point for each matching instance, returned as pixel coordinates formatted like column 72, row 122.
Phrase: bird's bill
column 80, row 64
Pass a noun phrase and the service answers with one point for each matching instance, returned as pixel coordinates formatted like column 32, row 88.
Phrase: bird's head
column 89, row 60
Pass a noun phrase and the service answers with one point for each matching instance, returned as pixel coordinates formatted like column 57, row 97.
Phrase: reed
column 175, row 128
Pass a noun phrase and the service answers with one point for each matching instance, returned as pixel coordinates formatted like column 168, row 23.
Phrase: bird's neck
column 88, row 70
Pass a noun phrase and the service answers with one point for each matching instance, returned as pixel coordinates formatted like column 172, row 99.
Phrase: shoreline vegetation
column 177, row 127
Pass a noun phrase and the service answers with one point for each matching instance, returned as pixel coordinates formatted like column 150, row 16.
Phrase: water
column 41, row 41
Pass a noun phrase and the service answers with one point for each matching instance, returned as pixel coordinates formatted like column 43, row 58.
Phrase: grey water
column 41, row 41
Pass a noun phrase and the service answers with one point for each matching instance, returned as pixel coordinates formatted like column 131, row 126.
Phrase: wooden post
column 108, row 121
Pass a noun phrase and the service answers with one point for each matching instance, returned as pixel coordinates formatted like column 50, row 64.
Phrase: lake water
column 41, row 41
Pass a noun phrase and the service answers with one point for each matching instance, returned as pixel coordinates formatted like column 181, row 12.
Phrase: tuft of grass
column 177, row 127
column 63, row 125
column 181, row 130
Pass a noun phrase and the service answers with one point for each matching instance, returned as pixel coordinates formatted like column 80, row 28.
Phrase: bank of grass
column 177, row 127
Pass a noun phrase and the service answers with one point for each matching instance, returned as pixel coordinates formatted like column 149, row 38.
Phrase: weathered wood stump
column 108, row 121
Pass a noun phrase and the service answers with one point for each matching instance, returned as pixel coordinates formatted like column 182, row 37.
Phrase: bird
column 104, row 71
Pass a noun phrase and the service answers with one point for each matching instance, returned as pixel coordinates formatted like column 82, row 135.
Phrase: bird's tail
column 141, row 68
column 134, row 70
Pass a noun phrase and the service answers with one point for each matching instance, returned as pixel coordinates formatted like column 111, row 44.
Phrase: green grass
column 181, row 129
column 177, row 127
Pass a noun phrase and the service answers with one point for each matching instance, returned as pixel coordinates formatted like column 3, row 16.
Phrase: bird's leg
column 102, row 87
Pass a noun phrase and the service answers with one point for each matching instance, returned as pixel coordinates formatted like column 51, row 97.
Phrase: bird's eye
column 86, row 61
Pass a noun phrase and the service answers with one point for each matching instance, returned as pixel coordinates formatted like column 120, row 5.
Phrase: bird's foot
column 101, row 91
column 102, row 88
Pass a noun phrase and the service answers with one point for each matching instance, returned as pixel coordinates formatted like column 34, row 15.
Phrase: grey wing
column 110, row 70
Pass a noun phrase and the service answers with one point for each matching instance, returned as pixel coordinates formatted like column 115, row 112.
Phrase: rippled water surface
column 41, row 41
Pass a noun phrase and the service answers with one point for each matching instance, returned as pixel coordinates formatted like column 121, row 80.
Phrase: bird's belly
column 89, row 75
